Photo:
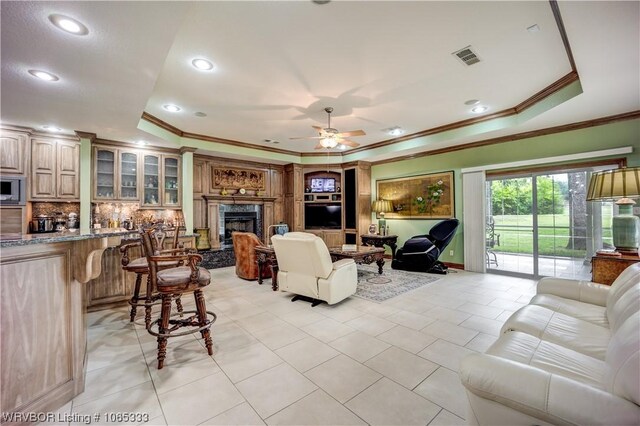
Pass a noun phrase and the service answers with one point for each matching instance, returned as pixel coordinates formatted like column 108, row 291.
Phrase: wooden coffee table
column 367, row 255
column 363, row 254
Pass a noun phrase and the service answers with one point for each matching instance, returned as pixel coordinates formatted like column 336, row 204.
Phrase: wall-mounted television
column 323, row 185
column 322, row 216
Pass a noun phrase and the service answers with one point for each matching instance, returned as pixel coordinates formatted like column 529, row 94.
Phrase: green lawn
column 516, row 235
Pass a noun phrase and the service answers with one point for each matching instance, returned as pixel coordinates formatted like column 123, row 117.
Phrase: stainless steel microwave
column 13, row 190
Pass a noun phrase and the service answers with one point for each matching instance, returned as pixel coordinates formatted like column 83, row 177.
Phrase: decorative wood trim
column 239, row 199
column 187, row 149
column 324, row 154
column 130, row 146
column 525, row 135
column 454, row 265
column 620, row 162
column 160, row 123
column 237, row 163
column 587, row 155
column 86, row 135
column 36, row 133
column 237, row 143
column 547, row 91
column 563, row 33
column 251, row 179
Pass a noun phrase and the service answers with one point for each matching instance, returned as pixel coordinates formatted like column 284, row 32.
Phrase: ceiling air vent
column 467, row 56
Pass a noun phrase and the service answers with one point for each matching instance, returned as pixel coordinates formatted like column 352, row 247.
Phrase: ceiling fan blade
column 347, row 142
column 319, row 146
column 351, row 133
column 318, row 128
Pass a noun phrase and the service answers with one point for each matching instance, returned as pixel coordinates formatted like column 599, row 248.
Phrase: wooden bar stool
column 140, row 267
column 170, row 282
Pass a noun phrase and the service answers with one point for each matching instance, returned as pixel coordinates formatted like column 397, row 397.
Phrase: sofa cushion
column 625, row 304
column 547, row 356
column 625, row 282
column 585, row 311
column 623, row 361
column 564, row 330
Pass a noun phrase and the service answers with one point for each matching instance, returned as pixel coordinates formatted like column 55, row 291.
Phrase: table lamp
column 381, row 207
column 620, row 185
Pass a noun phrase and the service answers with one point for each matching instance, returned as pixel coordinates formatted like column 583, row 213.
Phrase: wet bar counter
column 43, row 281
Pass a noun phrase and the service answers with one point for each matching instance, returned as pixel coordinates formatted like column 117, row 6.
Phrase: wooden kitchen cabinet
column 605, row 269
column 43, row 169
column 55, row 170
column 68, row 170
column 172, row 191
column 14, row 153
column 116, row 174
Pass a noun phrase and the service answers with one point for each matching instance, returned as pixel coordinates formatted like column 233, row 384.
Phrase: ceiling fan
column 330, row 137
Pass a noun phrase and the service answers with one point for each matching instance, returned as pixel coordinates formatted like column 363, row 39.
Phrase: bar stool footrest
column 191, row 321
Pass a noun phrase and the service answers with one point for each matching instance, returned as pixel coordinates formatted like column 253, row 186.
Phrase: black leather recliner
column 421, row 253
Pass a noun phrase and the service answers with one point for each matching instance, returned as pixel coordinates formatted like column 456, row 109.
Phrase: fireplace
column 238, row 222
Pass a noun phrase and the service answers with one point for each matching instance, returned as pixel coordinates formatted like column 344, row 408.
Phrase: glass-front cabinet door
column 171, row 174
column 151, row 180
column 129, row 176
column 105, row 160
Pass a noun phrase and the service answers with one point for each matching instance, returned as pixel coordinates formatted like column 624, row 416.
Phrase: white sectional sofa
column 570, row 357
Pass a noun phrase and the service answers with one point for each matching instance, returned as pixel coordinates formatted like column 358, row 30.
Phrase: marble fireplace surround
column 214, row 203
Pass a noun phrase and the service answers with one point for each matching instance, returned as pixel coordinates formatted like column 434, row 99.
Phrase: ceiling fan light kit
column 330, row 138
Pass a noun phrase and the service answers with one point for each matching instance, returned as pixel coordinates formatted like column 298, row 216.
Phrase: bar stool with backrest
column 188, row 277
column 140, row 267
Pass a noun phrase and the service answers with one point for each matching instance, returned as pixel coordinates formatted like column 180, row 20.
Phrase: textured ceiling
column 379, row 64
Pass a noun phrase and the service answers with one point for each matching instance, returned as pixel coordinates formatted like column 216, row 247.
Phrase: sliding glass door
column 540, row 224
column 509, row 237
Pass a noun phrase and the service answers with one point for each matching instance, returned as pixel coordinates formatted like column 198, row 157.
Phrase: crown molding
column 86, row 135
column 525, row 135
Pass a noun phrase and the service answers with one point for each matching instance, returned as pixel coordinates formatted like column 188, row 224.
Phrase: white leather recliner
column 570, row 357
column 305, row 268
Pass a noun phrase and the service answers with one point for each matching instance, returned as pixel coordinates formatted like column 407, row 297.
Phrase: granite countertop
column 13, row 240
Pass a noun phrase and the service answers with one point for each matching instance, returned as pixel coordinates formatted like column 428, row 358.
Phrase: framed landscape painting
column 428, row 196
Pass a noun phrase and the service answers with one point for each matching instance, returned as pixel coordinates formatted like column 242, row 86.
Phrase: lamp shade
column 614, row 184
column 382, row 206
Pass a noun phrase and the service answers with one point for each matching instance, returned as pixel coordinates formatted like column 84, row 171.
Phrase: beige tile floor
column 284, row 363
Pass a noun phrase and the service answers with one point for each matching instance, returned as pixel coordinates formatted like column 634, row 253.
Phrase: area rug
column 378, row 288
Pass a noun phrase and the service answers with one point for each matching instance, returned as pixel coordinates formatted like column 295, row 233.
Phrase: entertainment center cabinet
column 333, row 202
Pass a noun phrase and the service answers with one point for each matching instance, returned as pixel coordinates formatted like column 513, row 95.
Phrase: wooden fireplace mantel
column 238, row 199
column 213, row 213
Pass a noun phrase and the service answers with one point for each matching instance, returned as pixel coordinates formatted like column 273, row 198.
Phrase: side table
column 380, row 241
column 605, row 269
column 267, row 255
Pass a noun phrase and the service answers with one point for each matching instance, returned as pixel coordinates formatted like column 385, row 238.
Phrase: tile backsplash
column 104, row 212
column 50, row 209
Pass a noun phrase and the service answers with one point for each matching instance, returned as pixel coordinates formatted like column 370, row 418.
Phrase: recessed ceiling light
column 51, row 128
column 200, row 114
column 69, row 25
column 202, row 64
column 141, row 143
column 275, row 141
column 43, row 75
column 479, row 109
column 534, row 28
column 472, row 102
column 395, row 131
column 172, row 108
